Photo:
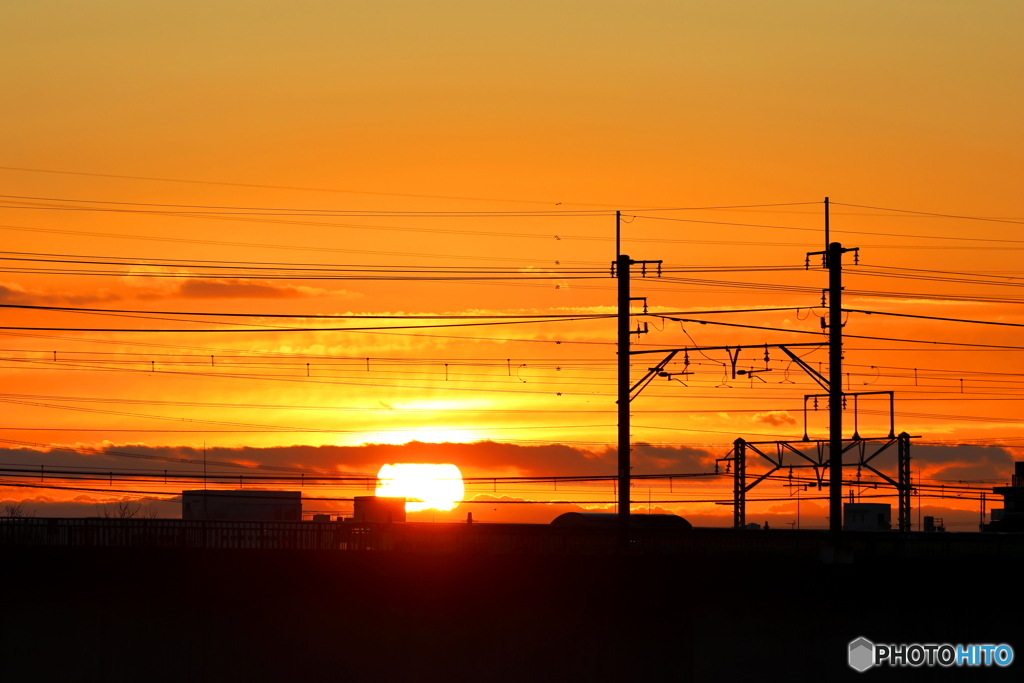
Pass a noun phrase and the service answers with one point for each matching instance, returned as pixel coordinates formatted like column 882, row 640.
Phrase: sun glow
column 429, row 487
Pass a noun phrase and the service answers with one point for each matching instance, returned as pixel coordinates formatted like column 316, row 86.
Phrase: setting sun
column 428, row 487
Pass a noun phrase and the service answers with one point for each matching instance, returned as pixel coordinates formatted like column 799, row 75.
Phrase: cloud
column 775, row 418
column 964, row 461
column 146, row 289
column 482, row 458
column 141, row 286
column 649, row 459
column 15, row 294
column 249, row 289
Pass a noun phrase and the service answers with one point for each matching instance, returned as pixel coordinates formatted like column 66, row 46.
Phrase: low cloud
column 649, row 459
column 250, row 289
column 14, row 294
column 775, row 418
column 964, row 462
column 137, row 288
column 482, row 458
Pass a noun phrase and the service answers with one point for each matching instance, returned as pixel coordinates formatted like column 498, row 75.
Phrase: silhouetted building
column 1011, row 516
column 610, row 520
column 242, row 506
column 933, row 523
column 378, row 509
column 867, row 516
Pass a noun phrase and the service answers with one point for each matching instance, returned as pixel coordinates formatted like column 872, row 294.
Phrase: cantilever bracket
column 814, row 374
column 642, row 383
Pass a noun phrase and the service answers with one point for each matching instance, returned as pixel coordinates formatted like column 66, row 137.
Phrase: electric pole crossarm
column 760, row 479
column 856, row 395
column 723, row 348
column 881, row 474
column 881, row 449
column 641, row 384
column 850, row 446
column 747, row 327
column 814, row 374
column 777, row 463
column 801, row 454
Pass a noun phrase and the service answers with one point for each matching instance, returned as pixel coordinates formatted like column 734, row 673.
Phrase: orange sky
column 404, row 110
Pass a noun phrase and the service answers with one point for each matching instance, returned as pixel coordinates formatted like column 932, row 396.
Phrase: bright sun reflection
column 439, row 487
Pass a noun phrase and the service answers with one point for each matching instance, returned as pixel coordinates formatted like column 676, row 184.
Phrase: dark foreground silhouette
column 171, row 614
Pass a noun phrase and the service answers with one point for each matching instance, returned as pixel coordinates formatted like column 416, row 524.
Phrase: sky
column 345, row 159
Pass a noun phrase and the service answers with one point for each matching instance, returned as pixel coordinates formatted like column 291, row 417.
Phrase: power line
column 110, row 205
column 932, row 317
column 857, row 232
column 288, row 329
column 850, row 336
column 364, row 316
column 937, row 215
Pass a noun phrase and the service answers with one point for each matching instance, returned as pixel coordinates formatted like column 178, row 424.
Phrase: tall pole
column 739, row 484
column 618, row 234
column 622, row 264
column 826, row 224
column 904, row 480
column 835, row 386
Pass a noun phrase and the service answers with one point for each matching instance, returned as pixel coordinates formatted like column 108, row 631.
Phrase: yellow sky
column 452, row 107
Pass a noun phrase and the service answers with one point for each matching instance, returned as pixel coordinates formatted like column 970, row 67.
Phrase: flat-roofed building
column 867, row 516
column 242, row 505
column 385, row 509
column 1011, row 516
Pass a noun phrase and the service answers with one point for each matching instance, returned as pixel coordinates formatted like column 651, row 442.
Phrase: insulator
column 815, row 403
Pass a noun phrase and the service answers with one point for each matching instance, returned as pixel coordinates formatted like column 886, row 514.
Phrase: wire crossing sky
column 228, row 231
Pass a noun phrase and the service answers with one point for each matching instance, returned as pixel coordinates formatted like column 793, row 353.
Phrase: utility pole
column 833, row 256
column 622, row 264
column 835, row 386
column 618, row 234
column 834, row 263
column 826, row 224
column 621, row 270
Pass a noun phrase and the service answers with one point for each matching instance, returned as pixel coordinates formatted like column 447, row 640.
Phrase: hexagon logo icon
column 862, row 654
